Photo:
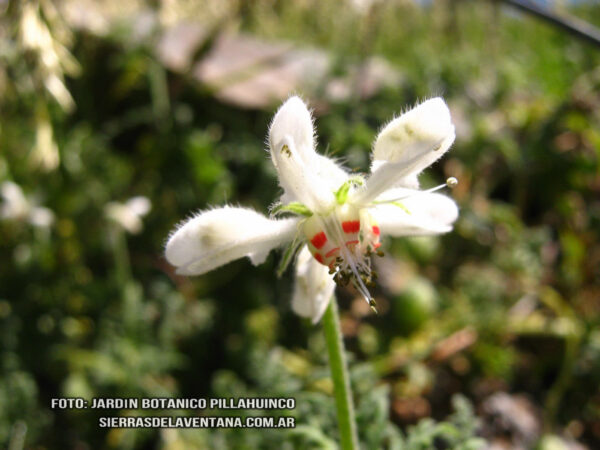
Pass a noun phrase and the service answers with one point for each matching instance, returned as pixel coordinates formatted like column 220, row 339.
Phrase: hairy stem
column 341, row 380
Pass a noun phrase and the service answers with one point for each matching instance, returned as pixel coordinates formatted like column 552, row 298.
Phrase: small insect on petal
column 286, row 150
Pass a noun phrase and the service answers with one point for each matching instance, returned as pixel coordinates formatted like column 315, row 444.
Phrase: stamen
column 350, row 260
column 344, row 240
column 450, row 183
column 373, row 305
column 357, row 280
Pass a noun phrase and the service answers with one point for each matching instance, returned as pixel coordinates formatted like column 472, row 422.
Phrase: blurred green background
column 490, row 332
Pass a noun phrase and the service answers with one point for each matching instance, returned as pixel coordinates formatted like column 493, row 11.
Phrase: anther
column 451, row 182
column 373, row 305
column 338, row 278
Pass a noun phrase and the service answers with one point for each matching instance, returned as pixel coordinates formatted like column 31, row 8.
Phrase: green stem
column 341, row 380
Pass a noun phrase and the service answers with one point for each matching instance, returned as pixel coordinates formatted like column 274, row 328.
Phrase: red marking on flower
column 351, row 243
column 376, row 230
column 319, row 258
column 331, row 252
column 351, row 226
column 377, row 244
column 319, row 239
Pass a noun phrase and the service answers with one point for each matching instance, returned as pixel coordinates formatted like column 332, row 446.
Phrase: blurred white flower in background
column 363, row 6
column 129, row 214
column 44, row 38
column 45, row 151
column 339, row 217
column 16, row 206
column 49, row 45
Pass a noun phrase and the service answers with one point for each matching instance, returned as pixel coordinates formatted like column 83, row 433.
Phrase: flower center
column 344, row 240
column 347, row 227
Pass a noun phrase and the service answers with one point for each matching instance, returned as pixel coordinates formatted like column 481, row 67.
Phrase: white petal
column 313, row 288
column 425, row 127
column 330, row 171
column 139, row 205
column 427, row 214
column 386, row 176
column 216, row 237
column 293, row 119
column 304, row 175
column 300, row 181
column 418, row 137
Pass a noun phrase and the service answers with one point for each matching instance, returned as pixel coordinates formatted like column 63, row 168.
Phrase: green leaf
column 290, row 251
column 293, row 207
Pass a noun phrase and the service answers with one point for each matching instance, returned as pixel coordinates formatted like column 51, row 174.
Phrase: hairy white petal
column 427, row 214
column 329, row 171
column 216, row 237
column 300, row 180
column 293, row 126
column 293, row 119
column 411, row 180
column 313, row 288
column 426, row 126
column 386, row 176
column 425, row 130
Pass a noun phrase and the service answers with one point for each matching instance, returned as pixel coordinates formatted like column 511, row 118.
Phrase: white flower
column 16, row 206
column 337, row 217
column 129, row 214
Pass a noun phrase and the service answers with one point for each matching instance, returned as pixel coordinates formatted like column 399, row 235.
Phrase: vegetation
column 502, row 313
